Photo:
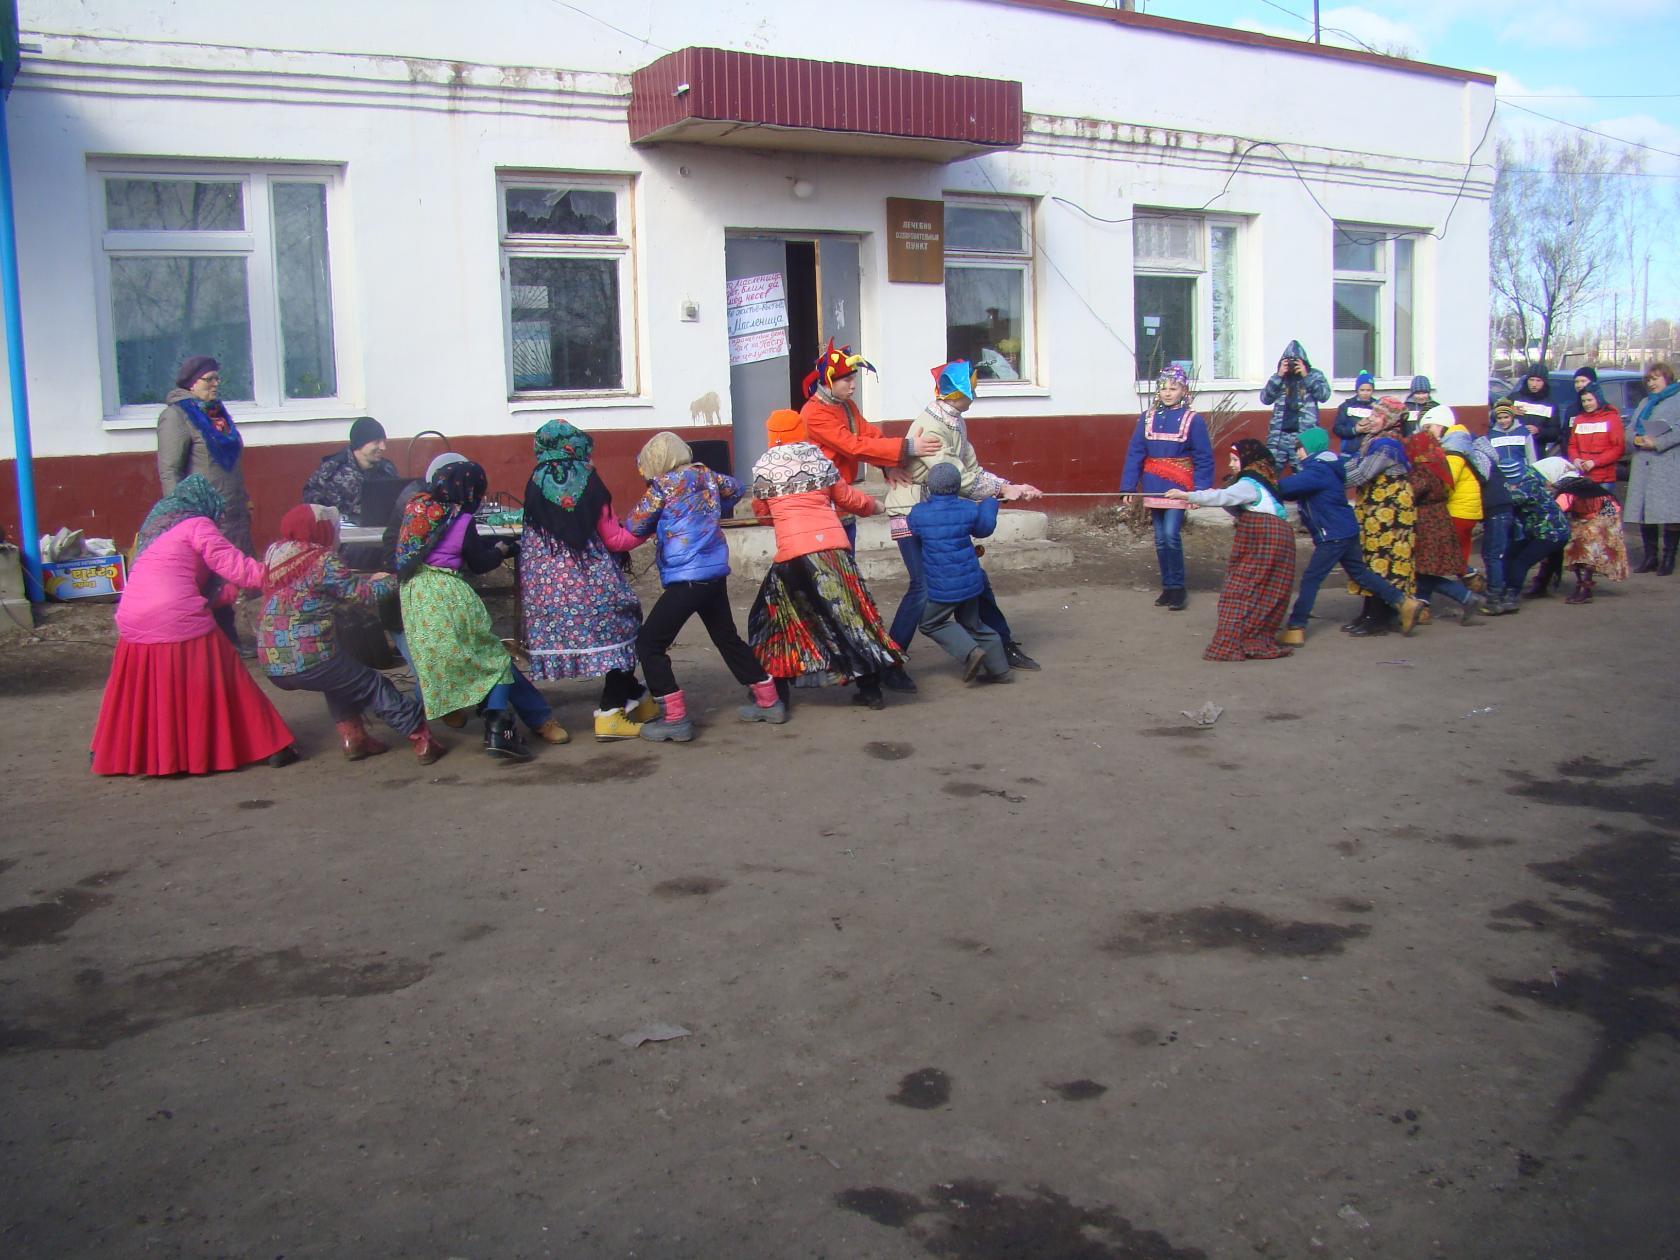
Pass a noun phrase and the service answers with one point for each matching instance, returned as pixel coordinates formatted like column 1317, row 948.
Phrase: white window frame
column 256, row 244
column 1023, row 260
column 1384, row 279
column 621, row 248
column 1202, row 350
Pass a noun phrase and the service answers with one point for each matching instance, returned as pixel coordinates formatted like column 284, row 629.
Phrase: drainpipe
column 29, row 541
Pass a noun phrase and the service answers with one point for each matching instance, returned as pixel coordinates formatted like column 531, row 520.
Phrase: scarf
column 563, row 465
column 1476, row 450
column 216, row 427
column 1426, row 455
column 797, row 468
column 305, row 545
column 192, row 496
column 456, row 488
column 1646, row 407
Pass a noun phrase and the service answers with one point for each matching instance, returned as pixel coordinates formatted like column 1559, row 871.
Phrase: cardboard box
column 89, row 577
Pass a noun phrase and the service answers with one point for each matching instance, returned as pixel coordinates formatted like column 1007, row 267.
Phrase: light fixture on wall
column 802, row 189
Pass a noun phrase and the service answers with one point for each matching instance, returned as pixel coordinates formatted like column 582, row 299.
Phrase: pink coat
column 164, row 601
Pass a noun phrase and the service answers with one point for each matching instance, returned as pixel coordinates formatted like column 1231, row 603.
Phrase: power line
column 1602, row 135
column 640, row 39
column 1583, row 96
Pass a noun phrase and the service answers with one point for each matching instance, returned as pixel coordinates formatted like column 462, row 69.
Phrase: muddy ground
column 1383, row 963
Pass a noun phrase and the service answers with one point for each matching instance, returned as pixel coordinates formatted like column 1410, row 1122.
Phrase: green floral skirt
column 456, row 653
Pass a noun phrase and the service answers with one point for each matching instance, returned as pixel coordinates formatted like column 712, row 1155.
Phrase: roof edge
column 1253, row 39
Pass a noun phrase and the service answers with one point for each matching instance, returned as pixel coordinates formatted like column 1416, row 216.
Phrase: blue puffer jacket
column 946, row 525
column 685, row 506
column 1320, row 487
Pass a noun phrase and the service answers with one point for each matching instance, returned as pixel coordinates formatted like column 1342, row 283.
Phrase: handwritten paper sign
column 758, row 346
column 755, row 308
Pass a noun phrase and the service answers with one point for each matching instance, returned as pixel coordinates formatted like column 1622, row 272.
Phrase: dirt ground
column 1382, row 963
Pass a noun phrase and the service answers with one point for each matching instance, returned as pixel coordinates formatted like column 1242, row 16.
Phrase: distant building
column 472, row 218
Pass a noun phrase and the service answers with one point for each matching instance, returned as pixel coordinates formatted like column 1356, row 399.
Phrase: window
column 567, row 284
column 1184, row 295
column 1374, row 270
column 989, row 287
column 233, row 263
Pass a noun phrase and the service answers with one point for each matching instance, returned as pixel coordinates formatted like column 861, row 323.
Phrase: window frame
column 1202, row 273
column 257, row 244
column 1023, row 260
column 620, row 248
column 1386, row 281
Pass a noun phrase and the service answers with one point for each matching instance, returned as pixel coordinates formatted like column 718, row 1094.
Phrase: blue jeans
column 1496, row 541
column 1325, row 557
column 1428, row 584
column 1524, row 556
column 1169, row 545
column 909, row 615
column 527, row 701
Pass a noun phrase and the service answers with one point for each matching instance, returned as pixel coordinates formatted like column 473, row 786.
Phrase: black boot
column 502, row 738
column 1161, row 599
column 1671, row 544
column 1176, row 599
column 1364, row 615
column 1648, row 535
column 1018, row 659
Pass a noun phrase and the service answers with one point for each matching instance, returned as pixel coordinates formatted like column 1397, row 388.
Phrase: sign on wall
column 756, row 310
column 915, row 241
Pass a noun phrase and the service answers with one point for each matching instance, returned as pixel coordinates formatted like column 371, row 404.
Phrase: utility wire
column 640, row 39
column 1602, row 135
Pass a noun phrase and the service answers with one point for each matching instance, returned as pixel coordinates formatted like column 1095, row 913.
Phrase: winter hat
column 365, row 430
column 1597, row 391
column 1504, row 408
column 783, row 427
column 1588, row 371
column 1314, row 441
column 1364, row 378
column 1440, row 417
column 944, row 478
column 193, row 368
column 1421, row 385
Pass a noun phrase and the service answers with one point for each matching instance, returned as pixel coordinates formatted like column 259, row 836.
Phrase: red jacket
column 848, row 439
column 808, row 522
column 1597, row 436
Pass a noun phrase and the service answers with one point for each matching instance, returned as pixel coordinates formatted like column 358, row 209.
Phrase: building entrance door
column 787, row 295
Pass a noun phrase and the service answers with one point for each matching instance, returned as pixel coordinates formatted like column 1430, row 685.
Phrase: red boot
column 356, row 741
column 426, row 747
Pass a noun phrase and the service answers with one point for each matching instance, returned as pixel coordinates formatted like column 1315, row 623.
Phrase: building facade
column 471, row 219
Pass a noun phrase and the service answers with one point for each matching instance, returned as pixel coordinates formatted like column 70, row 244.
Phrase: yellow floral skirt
column 1387, row 531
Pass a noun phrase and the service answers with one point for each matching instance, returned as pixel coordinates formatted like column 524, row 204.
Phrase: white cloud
column 1568, row 24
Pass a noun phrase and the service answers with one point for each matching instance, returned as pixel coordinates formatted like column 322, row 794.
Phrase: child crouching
column 946, row 526
column 684, row 503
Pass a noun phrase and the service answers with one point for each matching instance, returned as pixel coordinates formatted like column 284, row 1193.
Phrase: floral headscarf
column 192, row 496
column 456, row 488
column 563, row 464
column 306, row 541
column 795, row 468
column 1424, row 451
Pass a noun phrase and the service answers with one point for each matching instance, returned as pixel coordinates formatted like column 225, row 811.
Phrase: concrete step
column 1021, row 541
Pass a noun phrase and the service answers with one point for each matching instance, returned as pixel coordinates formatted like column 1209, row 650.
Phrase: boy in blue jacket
column 946, row 525
column 1319, row 485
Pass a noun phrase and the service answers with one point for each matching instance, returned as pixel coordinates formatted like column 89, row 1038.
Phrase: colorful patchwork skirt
column 815, row 623
column 183, row 708
column 1255, row 597
column 457, row 656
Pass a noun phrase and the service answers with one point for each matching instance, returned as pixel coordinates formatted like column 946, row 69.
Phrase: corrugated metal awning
column 715, row 96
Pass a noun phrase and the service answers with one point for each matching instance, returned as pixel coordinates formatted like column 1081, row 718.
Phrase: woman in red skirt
column 178, row 700
column 1261, row 572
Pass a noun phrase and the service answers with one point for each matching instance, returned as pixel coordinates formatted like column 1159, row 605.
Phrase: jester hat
column 954, row 379
column 833, row 365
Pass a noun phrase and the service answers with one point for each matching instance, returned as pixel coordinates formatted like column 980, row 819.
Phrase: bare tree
column 1553, row 233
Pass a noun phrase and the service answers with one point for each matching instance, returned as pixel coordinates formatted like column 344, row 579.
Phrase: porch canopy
column 746, row 100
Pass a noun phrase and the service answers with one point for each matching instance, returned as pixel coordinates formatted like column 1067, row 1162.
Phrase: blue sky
column 1610, row 65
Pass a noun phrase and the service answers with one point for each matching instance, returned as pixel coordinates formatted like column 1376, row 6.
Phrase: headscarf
column 192, row 496
column 1256, row 460
column 1597, row 391
column 1555, row 468
column 794, row 468
column 833, row 365
column 783, row 427
column 1477, row 450
column 1389, row 413
column 441, row 462
column 564, row 496
column 455, row 488
column 1424, row 451
column 306, row 541
column 954, row 380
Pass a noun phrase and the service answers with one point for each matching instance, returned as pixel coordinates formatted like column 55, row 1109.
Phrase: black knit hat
column 366, row 429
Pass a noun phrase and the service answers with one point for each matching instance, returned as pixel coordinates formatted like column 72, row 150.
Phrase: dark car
column 1498, row 387
column 1624, row 389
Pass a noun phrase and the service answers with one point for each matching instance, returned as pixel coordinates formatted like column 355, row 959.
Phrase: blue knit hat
column 1364, row 378
column 944, row 478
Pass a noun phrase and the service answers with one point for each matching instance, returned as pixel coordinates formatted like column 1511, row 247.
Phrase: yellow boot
column 1292, row 637
column 551, row 732
column 647, row 708
column 613, row 724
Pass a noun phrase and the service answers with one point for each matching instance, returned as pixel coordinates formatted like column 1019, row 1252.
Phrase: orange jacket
column 848, row 439
column 1597, row 435
column 808, row 522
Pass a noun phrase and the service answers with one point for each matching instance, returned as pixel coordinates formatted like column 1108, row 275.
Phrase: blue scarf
column 1646, row 407
column 224, row 447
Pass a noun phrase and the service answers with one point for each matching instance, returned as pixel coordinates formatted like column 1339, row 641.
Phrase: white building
column 437, row 214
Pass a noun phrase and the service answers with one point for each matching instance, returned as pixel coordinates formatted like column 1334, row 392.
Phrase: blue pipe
column 30, row 540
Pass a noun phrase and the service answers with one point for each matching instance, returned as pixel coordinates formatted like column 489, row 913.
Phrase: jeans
column 349, row 687
column 681, row 601
column 1429, row 583
column 1496, row 541
column 1325, row 557
column 527, row 701
column 1169, row 545
column 909, row 614
column 1524, row 556
column 958, row 629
